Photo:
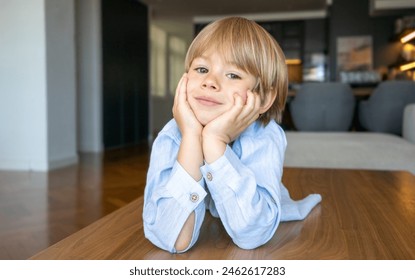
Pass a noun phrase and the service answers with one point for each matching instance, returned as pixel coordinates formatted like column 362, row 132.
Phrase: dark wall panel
column 125, row 72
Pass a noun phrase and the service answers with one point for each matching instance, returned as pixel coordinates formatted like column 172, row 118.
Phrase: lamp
column 407, row 66
column 293, row 61
column 408, row 37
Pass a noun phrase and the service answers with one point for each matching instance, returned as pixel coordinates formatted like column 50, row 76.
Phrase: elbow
column 250, row 243
column 252, row 238
column 185, row 236
column 182, row 246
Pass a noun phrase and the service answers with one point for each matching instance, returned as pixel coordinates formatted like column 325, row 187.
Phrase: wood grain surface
column 38, row 209
column 363, row 215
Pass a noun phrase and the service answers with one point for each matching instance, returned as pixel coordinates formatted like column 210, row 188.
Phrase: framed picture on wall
column 354, row 54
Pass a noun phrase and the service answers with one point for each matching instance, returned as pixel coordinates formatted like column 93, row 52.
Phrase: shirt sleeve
column 246, row 188
column 170, row 196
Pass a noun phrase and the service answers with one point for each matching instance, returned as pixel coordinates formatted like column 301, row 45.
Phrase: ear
column 267, row 102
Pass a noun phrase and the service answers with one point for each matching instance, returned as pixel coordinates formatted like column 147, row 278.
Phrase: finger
column 178, row 94
column 183, row 90
column 257, row 105
column 182, row 83
column 238, row 100
column 251, row 110
column 238, row 105
column 235, row 111
column 257, row 102
column 250, row 101
column 250, row 105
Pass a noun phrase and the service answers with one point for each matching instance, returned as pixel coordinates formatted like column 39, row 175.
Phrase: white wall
column 61, row 82
column 89, row 65
column 23, row 126
column 37, row 84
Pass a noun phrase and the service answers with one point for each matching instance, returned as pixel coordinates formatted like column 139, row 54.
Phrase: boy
column 223, row 151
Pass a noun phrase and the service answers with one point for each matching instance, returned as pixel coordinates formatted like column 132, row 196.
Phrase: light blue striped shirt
column 243, row 188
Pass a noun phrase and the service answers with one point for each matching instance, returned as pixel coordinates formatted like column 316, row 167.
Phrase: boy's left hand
column 225, row 128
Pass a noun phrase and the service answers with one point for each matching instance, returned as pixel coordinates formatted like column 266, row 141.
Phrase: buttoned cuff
column 222, row 176
column 188, row 192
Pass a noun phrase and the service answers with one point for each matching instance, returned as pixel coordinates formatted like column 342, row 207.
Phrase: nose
column 210, row 82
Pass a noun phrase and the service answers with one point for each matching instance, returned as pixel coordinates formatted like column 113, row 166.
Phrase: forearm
column 168, row 204
column 250, row 212
column 190, row 155
column 168, row 193
column 191, row 158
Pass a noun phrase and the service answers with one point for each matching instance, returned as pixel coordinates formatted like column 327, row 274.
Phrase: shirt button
column 194, row 197
column 209, row 176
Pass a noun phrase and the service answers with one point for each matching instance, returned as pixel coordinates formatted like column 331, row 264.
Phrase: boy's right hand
column 183, row 113
column 190, row 155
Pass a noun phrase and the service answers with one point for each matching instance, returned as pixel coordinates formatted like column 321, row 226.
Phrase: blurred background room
column 86, row 85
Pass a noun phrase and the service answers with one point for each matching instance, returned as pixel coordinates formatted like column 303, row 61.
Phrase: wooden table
column 363, row 215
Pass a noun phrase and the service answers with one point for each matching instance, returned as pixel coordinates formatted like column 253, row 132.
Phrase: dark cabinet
column 289, row 35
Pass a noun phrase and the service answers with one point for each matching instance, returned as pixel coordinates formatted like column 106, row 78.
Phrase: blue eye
column 233, row 76
column 202, row 70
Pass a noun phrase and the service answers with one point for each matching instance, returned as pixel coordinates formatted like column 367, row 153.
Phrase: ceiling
column 178, row 16
column 192, row 8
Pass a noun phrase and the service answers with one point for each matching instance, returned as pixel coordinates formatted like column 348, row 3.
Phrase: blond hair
column 251, row 48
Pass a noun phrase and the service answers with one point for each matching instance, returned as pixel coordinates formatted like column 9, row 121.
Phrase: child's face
column 212, row 83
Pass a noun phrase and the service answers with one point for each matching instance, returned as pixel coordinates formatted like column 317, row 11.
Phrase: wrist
column 190, row 155
column 213, row 148
column 192, row 135
column 212, row 137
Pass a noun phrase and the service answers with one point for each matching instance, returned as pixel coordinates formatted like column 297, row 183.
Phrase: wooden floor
column 37, row 209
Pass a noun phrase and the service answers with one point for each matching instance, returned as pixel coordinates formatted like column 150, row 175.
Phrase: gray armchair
column 383, row 111
column 408, row 128
column 325, row 106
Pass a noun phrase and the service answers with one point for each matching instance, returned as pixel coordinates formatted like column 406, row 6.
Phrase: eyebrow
column 240, row 69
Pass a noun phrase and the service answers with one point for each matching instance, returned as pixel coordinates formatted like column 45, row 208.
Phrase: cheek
column 190, row 87
column 243, row 94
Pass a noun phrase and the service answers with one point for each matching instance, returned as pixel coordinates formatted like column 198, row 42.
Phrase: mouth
column 207, row 101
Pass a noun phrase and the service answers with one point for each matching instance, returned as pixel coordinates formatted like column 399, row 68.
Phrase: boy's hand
column 190, row 154
column 225, row 128
column 183, row 114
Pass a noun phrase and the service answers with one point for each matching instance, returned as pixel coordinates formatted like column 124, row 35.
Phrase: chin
column 203, row 120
